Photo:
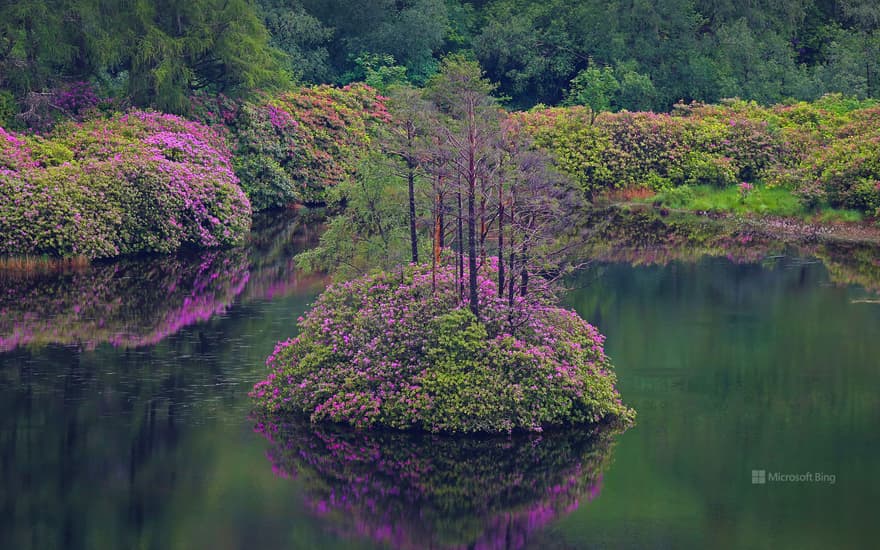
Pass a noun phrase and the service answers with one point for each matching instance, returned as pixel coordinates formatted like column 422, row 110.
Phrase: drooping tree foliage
column 155, row 52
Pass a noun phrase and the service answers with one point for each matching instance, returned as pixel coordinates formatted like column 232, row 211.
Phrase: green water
column 124, row 418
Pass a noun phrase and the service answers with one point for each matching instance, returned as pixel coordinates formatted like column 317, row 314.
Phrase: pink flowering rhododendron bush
column 292, row 147
column 387, row 350
column 404, row 490
column 134, row 182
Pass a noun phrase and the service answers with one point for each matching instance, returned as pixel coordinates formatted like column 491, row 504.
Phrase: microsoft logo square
column 759, row 477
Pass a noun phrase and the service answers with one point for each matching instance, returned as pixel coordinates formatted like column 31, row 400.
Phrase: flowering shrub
column 825, row 151
column 139, row 181
column 292, row 147
column 75, row 98
column 385, row 350
column 414, row 491
column 616, row 151
column 849, row 172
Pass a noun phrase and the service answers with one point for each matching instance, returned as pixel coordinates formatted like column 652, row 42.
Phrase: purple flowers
column 388, row 350
column 141, row 181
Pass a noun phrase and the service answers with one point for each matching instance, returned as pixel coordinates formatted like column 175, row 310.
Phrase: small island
column 404, row 350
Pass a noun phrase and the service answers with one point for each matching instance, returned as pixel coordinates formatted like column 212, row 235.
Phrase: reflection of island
column 426, row 491
column 140, row 301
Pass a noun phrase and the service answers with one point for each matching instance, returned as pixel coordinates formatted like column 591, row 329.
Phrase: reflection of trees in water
column 139, row 302
column 95, row 441
column 419, row 491
column 852, row 264
column 127, row 304
column 642, row 236
column 109, row 444
column 846, row 263
column 88, row 440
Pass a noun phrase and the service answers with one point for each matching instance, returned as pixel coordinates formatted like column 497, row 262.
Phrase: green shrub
column 704, row 169
column 850, row 173
column 676, row 197
column 656, row 182
column 395, row 350
column 135, row 182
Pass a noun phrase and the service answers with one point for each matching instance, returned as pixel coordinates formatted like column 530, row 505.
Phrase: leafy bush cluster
column 292, row 146
column 846, row 171
column 407, row 490
column 133, row 182
column 402, row 350
column 826, row 151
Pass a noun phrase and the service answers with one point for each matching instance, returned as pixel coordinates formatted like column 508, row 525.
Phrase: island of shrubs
column 402, row 350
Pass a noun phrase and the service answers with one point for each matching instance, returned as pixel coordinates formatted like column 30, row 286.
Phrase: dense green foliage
column 139, row 181
column 155, row 52
column 292, row 147
column 824, row 152
column 650, row 54
column 403, row 350
column 461, row 158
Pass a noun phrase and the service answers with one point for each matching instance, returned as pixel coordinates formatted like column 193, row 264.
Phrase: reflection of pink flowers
column 410, row 491
column 133, row 303
column 111, row 303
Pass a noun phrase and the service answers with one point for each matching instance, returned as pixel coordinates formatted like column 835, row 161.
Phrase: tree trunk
column 438, row 227
column 472, row 252
column 500, row 239
column 473, row 298
column 511, row 281
column 484, row 230
column 460, row 250
column 413, row 237
column 524, row 272
column 435, row 245
column 441, row 219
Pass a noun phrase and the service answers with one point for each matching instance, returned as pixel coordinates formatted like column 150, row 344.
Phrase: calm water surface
column 124, row 418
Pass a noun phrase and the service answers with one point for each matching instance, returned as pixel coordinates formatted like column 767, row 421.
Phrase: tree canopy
column 158, row 52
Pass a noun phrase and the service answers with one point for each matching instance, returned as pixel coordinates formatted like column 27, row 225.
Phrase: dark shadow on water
column 408, row 490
